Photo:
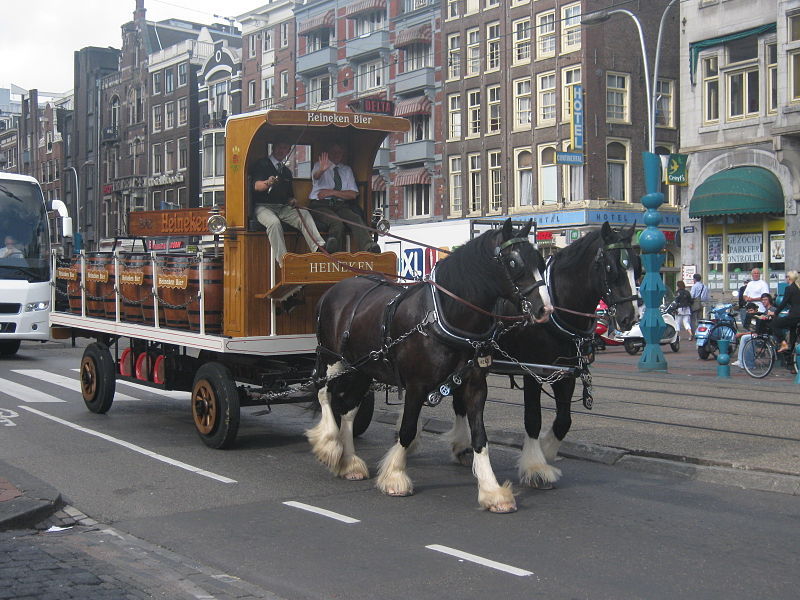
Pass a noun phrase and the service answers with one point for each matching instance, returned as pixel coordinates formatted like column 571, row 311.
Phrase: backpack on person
column 683, row 299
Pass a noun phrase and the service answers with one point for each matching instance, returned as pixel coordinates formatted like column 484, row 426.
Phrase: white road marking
column 67, row 382
column 139, row 386
column 25, row 393
column 323, row 512
column 480, row 560
column 134, row 447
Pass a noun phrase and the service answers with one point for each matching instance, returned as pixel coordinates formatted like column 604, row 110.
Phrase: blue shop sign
column 621, row 217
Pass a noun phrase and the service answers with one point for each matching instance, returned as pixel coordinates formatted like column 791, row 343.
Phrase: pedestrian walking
column 699, row 293
column 683, row 302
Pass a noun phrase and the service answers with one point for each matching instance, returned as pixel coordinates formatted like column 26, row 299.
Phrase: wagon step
column 507, row 367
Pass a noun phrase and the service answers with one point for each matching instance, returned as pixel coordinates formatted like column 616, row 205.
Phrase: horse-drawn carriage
column 209, row 321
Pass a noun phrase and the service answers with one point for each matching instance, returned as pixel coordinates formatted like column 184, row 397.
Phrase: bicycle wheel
column 758, row 357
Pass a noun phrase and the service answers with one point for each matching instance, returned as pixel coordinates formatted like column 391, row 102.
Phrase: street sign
column 688, row 229
column 576, row 118
column 569, row 158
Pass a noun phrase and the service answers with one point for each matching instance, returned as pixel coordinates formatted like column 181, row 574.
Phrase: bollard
column 723, row 358
column 796, row 358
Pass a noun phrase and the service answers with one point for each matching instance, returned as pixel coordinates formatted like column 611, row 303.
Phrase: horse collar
column 564, row 328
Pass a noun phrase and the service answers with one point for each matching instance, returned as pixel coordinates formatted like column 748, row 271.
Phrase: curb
column 681, row 467
column 38, row 501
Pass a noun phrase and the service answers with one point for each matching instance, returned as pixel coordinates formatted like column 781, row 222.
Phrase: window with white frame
column 743, row 93
column 219, row 154
column 169, row 156
column 284, row 84
column 473, row 113
column 617, row 101
column 452, row 8
column 546, row 34
column 454, row 116
column 548, row 175
column 710, row 71
column 169, row 81
column 267, row 37
column 420, row 128
column 115, row 112
column 664, row 102
column 370, row 75
column 491, row 3
column 370, row 22
column 157, row 85
column 208, row 155
column 251, row 92
column 474, row 166
column 471, row 6
column 617, row 169
column 415, row 56
column 572, row 179
column 523, row 177
column 454, row 56
column 493, row 108
column 772, row 78
column 268, row 95
column 252, row 40
column 570, row 76
column 522, row 103
column 183, row 111
column 284, row 35
column 571, row 28
column 546, row 98
column 418, row 200
column 169, row 111
column 473, row 52
column 521, row 40
column 183, row 154
column 158, row 159
column 495, row 182
column 492, row 46
column 318, row 39
column 456, row 187
column 319, row 89
column 183, row 74
column 158, row 117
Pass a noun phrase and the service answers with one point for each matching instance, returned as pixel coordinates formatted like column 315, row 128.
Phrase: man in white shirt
column 333, row 194
column 10, row 250
column 699, row 290
column 753, row 292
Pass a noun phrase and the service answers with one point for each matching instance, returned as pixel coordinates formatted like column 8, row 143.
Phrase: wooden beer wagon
column 208, row 322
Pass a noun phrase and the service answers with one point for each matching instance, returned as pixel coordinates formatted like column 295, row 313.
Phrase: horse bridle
column 605, row 267
column 514, row 268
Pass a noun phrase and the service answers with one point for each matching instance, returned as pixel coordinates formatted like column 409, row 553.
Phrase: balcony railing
column 417, row 79
column 316, row 61
column 414, row 151
column 365, row 45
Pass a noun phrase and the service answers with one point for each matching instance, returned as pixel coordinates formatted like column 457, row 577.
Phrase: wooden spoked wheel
column 215, row 405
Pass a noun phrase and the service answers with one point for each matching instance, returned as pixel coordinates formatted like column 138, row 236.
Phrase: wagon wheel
column 98, row 378
column 215, row 405
column 364, row 414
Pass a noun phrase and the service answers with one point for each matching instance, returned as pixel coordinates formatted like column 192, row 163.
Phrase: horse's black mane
column 470, row 270
column 574, row 255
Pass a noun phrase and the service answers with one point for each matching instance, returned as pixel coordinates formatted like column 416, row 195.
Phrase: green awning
column 740, row 190
column 696, row 47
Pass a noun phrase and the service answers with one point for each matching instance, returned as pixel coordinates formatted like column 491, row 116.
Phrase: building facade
column 740, row 126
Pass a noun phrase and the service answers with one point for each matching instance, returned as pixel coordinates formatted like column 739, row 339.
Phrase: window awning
column 358, row 8
column 321, row 21
column 378, row 183
column 696, row 47
column 420, row 34
column 740, row 190
column 419, row 176
column 420, row 105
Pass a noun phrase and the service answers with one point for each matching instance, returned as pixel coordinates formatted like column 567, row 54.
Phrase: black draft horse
column 420, row 339
column 601, row 264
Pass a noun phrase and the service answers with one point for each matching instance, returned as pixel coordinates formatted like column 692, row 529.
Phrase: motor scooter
column 706, row 341
column 605, row 330
column 633, row 340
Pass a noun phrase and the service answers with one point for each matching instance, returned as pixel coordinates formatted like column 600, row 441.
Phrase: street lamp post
column 652, row 240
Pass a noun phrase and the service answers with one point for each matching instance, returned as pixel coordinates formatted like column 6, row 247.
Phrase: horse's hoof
column 464, row 458
column 355, row 476
column 541, row 484
column 399, row 493
column 503, row 508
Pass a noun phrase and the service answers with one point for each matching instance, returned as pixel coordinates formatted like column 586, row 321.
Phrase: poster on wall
column 715, row 248
column 777, row 247
column 745, row 248
column 687, row 274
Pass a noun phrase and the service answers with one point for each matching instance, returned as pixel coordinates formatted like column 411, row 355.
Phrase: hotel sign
column 576, row 120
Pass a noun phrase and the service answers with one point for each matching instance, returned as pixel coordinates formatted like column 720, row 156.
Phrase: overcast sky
column 37, row 40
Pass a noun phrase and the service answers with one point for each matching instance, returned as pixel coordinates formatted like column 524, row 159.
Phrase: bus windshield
column 24, row 239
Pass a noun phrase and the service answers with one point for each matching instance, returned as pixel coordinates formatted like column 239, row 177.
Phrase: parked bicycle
column 759, row 355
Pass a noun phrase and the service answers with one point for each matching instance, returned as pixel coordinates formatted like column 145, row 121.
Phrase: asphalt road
column 604, row 532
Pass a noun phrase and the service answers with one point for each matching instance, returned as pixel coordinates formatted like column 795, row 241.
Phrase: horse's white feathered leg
column 392, row 477
column 550, row 445
column 491, row 495
column 350, row 466
column 416, row 445
column 533, row 468
column 459, row 439
column 324, row 436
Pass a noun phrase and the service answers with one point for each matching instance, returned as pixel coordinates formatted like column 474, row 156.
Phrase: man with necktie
column 333, row 194
column 275, row 202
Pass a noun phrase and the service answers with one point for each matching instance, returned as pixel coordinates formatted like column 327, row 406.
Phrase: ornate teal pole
column 652, row 242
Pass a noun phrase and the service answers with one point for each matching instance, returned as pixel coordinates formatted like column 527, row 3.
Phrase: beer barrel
column 100, row 296
column 70, row 273
column 212, row 294
column 172, row 284
column 135, row 286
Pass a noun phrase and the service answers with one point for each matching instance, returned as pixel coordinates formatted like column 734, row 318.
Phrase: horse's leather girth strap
column 346, row 335
column 386, row 327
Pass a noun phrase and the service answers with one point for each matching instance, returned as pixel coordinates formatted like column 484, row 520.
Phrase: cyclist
column 791, row 299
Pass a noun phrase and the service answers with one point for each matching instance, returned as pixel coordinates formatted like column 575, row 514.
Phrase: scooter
column 633, row 340
column 605, row 330
column 706, row 343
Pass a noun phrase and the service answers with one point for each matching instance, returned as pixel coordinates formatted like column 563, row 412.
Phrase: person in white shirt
column 753, row 292
column 333, row 194
column 699, row 290
column 10, row 250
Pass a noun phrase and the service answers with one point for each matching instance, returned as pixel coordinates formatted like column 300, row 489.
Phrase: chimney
column 138, row 14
